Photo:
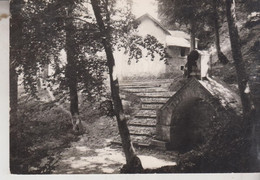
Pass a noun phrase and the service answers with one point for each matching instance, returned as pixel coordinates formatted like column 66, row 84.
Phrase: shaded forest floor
column 94, row 153
column 43, row 142
column 41, row 132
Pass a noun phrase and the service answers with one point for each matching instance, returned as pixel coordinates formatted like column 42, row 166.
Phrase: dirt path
column 94, row 154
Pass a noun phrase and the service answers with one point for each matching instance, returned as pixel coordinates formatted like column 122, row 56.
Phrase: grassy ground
column 43, row 131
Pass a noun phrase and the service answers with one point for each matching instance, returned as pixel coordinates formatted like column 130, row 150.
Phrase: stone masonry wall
column 174, row 108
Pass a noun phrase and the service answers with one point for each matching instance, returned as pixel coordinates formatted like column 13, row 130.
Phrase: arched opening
column 190, row 124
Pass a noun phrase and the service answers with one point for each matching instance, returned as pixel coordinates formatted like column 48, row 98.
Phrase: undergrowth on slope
column 42, row 131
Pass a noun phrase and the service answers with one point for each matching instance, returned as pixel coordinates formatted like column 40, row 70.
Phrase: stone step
column 146, row 111
column 144, row 90
column 159, row 144
column 145, row 116
column 143, row 113
column 154, row 100
column 142, row 131
column 152, row 106
column 145, row 122
column 135, row 87
column 145, row 82
column 156, row 94
column 142, row 141
column 138, row 141
column 153, row 94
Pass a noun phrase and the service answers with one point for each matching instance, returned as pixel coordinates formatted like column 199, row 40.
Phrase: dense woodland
column 89, row 32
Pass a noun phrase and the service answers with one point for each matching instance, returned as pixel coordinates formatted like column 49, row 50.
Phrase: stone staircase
column 153, row 94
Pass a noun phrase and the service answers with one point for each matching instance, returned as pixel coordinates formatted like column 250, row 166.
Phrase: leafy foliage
column 185, row 11
column 137, row 45
column 181, row 11
column 201, row 13
column 121, row 25
column 251, row 5
column 44, row 37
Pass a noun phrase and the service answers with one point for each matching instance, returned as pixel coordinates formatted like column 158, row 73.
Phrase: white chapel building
column 177, row 44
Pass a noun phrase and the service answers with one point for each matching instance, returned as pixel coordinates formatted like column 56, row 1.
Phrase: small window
column 182, row 49
column 182, row 68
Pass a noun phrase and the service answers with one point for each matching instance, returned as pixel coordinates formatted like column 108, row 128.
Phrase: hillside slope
column 249, row 31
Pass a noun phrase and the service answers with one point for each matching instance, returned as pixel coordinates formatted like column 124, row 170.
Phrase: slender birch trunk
column 133, row 163
column 242, row 79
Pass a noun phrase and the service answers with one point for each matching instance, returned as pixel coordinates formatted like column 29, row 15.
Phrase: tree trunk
column 16, row 26
column 133, row 163
column 192, row 35
column 45, row 72
column 242, row 77
column 222, row 58
column 71, row 73
column 13, row 93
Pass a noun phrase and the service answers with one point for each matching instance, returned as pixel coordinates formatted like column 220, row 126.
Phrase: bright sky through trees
column 141, row 7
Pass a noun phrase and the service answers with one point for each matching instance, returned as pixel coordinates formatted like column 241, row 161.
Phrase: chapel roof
column 155, row 21
column 173, row 37
column 177, row 41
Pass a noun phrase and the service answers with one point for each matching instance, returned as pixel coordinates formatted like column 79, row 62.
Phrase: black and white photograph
column 133, row 86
